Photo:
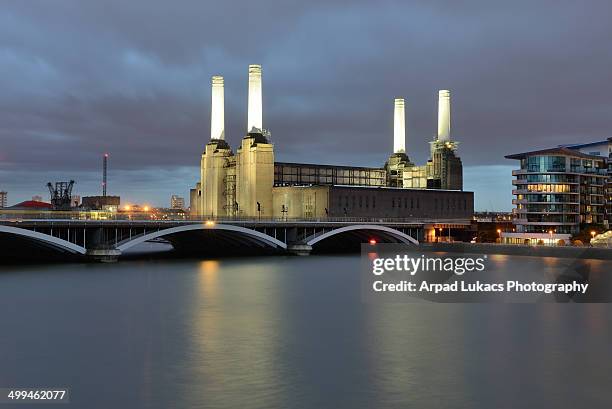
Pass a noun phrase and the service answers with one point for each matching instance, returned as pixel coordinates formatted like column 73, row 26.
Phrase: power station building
column 250, row 183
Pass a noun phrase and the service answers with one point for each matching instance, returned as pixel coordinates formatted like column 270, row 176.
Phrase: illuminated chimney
column 444, row 115
column 217, row 113
column 254, row 120
column 399, row 127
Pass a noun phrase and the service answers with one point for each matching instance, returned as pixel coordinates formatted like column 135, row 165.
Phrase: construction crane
column 61, row 194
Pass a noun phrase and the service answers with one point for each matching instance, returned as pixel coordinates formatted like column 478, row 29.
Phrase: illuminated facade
column 250, row 183
column 444, row 169
column 557, row 192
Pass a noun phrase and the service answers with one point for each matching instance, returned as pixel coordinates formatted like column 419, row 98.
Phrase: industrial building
column 559, row 191
column 105, row 202
column 250, row 183
column 3, row 199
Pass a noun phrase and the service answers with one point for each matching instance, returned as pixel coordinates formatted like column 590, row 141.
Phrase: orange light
column 498, row 230
column 146, row 208
column 372, row 241
column 209, row 223
column 593, row 233
column 128, row 208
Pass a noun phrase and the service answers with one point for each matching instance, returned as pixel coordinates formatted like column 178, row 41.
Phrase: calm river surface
column 277, row 332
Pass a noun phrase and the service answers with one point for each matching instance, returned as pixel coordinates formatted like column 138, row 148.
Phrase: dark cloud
column 132, row 78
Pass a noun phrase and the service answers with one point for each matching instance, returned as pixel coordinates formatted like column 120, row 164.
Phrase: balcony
column 546, row 213
column 532, row 223
column 540, row 192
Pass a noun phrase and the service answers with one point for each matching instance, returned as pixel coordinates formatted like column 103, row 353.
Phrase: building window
column 360, row 201
column 373, row 201
column 393, row 202
column 367, row 200
column 418, row 203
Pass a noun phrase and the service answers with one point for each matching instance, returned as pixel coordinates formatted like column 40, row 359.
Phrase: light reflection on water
column 290, row 332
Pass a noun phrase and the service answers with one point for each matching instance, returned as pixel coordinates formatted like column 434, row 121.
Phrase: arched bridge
column 105, row 240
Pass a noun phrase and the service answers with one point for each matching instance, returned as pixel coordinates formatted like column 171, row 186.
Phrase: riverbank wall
column 520, row 250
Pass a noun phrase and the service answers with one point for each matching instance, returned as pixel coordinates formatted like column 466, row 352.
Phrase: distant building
column 558, row 192
column 75, row 201
column 32, row 205
column 37, row 198
column 177, row 202
column 3, row 199
column 107, row 203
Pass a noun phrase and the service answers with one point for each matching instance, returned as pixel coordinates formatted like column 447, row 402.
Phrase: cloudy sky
column 80, row 78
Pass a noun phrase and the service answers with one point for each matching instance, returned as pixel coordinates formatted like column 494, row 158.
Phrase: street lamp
column 551, row 239
column 593, row 233
column 499, row 235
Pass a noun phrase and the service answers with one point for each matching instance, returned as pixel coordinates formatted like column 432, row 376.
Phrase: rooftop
column 31, row 204
column 312, row 165
column 584, row 145
column 554, row 151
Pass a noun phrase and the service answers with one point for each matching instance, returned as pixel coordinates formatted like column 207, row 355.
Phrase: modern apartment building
column 177, row 202
column 557, row 192
column 600, row 148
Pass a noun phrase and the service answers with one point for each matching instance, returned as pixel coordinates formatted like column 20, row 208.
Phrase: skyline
column 123, row 87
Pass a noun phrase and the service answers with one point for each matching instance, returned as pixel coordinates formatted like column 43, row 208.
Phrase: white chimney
column 254, row 120
column 444, row 115
column 217, row 112
column 399, row 127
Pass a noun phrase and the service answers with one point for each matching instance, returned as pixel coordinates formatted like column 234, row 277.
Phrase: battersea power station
column 249, row 183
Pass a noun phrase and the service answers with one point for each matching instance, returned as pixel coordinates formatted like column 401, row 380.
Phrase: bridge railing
column 8, row 216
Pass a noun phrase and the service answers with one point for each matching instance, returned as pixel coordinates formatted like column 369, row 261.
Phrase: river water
column 288, row 332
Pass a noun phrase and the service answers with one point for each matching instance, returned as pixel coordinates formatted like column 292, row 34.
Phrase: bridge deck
column 75, row 222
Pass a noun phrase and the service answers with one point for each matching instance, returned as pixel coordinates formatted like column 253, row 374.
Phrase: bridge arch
column 396, row 234
column 253, row 235
column 52, row 241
